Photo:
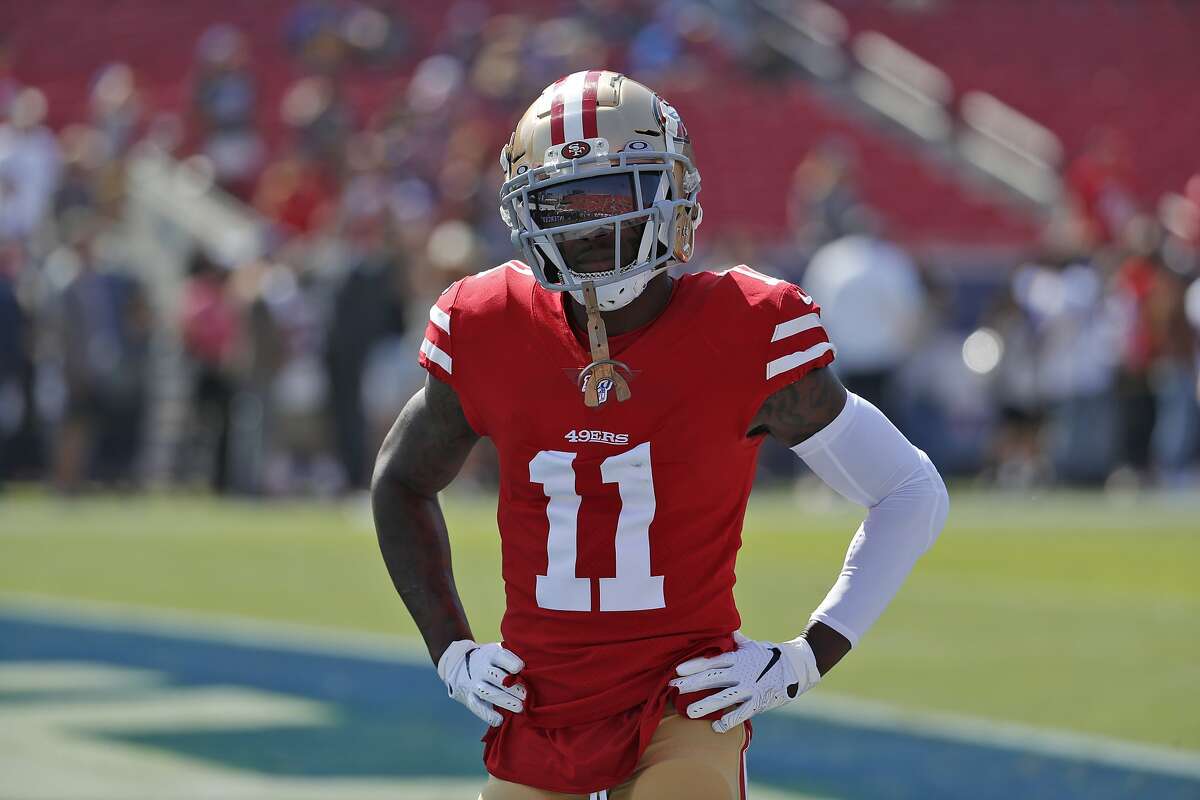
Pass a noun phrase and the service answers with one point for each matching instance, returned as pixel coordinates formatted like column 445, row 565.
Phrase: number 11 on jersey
column 633, row 588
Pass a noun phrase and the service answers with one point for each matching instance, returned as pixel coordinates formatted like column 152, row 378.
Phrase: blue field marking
column 392, row 719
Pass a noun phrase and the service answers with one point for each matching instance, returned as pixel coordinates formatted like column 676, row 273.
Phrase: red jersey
column 620, row 524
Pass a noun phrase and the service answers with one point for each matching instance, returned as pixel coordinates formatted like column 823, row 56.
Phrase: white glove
column 474, row 676
column 756, row 677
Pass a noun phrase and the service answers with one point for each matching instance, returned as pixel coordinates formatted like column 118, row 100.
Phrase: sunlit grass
column 1066, row 611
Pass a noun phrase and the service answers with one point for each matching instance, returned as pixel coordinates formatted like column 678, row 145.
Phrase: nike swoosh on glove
column 474, row 675
column 754, row 678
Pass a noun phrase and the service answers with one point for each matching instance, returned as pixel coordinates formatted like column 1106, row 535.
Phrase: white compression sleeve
column 865, row 459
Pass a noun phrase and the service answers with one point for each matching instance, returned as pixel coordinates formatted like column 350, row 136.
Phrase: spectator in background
column 1173, row 376
column 116, row 124
column 29, row 166
column 116, row 109
column 210, row 322
column 325, row 38
column 224, row 98
column 22, row 450
column 314, row 38
column 374, row 33
column 431, row 101
column 294, row 303
column 1077, row 352
column 1191, row 233
column 1015, row 457
column 295, row 194
column 103, row 332
column 824, row 200
column 1100, row 187
column 83, row 156
column 873, row 304
column 1135, row 287
column 320, row 122
column 940, row 393
column 1191, row 310
column 496, row 70
column 119, row 447
column 13, row 355
column 368, row 308
column 93, row 175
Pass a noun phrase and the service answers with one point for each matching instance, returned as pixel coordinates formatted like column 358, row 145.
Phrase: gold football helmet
column 600, row 187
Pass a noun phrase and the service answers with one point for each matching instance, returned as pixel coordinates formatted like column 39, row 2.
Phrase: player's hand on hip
column 474, row 675
column 754, row 678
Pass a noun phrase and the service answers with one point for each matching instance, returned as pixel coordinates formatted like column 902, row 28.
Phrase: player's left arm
column 858, row 452
column 848, row 443
column 791, row 415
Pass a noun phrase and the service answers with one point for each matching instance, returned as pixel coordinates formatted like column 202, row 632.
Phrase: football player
column 628, row 407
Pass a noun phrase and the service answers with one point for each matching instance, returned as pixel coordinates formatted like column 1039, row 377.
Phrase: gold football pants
column 686, row 760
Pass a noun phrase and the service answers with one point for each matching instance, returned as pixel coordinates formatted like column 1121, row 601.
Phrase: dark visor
column 590, row 199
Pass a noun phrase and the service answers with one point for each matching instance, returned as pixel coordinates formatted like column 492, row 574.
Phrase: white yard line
column 40, row 677
column 824, row 706
column 208, row 708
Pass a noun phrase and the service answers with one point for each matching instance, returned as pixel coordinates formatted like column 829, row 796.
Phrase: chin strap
column 602, row 371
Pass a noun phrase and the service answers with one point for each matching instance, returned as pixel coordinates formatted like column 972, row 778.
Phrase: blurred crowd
column 1076, row 365
column 1079, row 366
column 295, row 363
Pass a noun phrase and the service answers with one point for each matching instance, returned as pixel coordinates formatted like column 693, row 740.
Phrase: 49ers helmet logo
column 576, row 149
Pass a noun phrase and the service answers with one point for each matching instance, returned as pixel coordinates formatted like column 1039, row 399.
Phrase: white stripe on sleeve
column 437, row 355
column 784, row 363
column 439, row 318
column 792, row 326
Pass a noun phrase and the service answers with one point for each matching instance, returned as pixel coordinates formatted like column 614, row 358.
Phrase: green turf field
column 1064, row 611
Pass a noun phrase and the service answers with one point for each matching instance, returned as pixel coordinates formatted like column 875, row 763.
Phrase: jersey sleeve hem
column 790, row 368
column 436, row 361
column 436, row 354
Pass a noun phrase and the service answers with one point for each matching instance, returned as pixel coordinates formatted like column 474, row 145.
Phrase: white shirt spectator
column 1192, row 309
column 29, row 167
column 1078, row 326
column 871, row 301
column 1192, row 305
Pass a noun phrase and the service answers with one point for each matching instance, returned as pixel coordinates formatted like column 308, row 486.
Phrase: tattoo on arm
column 800, row 409
column 422, row 453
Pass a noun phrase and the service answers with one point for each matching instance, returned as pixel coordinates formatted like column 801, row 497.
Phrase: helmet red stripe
column 557, row 136
column 590, row 85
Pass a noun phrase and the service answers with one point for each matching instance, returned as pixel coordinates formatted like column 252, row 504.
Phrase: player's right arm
column 423, row 452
